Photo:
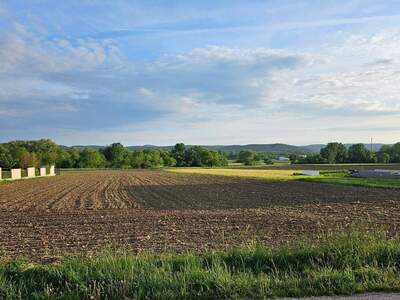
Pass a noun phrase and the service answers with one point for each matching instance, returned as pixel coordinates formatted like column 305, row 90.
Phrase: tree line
column 44, row 152
column 337, row 153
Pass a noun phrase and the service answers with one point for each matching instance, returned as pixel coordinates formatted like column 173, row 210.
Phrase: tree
column 248, row 157
column 91, row 158
column 136, row 159
column 192, row 157
column 33, row 160
column 152, row 158
column 168, row 160
column 64, row 160
column 75, row 157
column 178, row 153
column 334, row 153
column 358, row 153
column 117, row 155
column 23, row 157
column 293, row 158
column 46, row 150
column 269, row 161
column 383, row 157
column 312, row 159
column 208, row 158
column 7, row 160
column 395, row 157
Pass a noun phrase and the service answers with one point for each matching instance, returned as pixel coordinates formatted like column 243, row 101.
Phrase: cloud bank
column 87, row 91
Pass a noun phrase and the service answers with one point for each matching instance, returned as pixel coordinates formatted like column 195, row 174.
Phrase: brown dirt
column 84, row 212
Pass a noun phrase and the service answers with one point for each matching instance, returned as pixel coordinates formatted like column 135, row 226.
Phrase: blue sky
column 200, row 72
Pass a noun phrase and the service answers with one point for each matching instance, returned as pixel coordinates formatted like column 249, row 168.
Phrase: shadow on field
column 253, row 194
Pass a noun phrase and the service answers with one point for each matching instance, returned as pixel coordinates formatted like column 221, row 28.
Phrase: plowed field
column 82, row 212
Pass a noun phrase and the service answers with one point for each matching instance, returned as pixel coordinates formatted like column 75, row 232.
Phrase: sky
column 200, row 72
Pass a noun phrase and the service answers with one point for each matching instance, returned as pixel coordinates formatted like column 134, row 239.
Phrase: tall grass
column 344, row 265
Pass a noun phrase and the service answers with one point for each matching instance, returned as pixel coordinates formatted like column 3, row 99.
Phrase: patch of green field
column 343, row 265
column 250, row 173
column 332, row 177
column 344, row 179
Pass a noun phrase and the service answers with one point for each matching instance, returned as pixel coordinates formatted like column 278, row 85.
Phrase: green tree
column 293, row 158
column 192, row 157
column 117, row 155
column 383, row 157
column 33, row 160
column 23, row 157
column 46, row 150
column 248, row 157
column 358, row 153
column 91, row 158
column 136, row 159
column 395, row 153
column 269, row 161
column 152, row 159
column 7, row 160
column 168, row 160
column 312, row 159
column 334, row 153
column 178, row 153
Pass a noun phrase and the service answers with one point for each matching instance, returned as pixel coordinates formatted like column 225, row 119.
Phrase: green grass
column 332, row 177
column 344, row 265
column 344, row 179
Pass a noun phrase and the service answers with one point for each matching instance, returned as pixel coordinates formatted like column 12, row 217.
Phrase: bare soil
column 84, row 212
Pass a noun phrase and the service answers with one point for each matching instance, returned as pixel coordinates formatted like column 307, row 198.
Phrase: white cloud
column 213, row 94
column 360, row 76
column 35, row 70
column 3, row 10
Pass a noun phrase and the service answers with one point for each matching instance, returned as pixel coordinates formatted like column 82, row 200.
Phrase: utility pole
column 371, row 144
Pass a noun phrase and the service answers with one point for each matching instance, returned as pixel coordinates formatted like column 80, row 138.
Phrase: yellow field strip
column 262, row 174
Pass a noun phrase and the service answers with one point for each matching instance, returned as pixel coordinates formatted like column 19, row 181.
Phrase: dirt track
column 85, row 212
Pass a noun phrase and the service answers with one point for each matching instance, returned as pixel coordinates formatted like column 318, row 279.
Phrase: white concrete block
column 310, row 173
column 42, row 171
column 31, row 172
column 52, row 171
column 15, row 173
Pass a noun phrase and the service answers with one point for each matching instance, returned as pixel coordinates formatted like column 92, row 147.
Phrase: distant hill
column 143, row 147
column 272, row 148
column 375, row 147
column 318, row 147
column 313, row 147
column 277, row 148
column 81, row 147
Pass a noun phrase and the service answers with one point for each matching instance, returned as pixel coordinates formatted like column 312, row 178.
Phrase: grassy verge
column 344, row 265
